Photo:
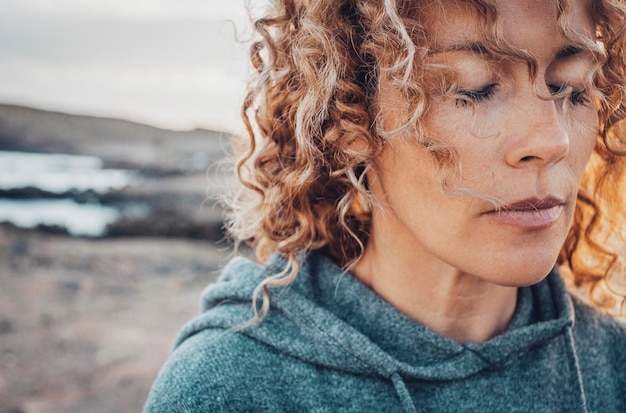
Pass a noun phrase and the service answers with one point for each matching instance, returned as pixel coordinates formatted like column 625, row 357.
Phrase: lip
column 529, row 214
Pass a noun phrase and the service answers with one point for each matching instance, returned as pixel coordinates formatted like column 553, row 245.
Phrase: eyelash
column 469, row 97
column 575, row 96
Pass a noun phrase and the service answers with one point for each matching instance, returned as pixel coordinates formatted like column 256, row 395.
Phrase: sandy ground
column 86, row 324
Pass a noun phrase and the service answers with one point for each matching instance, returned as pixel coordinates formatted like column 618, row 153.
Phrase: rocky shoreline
column 182, row 173
column 162, row 213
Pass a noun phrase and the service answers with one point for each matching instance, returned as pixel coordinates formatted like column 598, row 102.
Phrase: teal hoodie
column 330, row 344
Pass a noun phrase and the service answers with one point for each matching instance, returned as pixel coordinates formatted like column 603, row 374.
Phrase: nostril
column 527, row 158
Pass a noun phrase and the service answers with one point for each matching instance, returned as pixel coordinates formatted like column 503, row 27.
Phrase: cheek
column 584, row 133
column 475, row 151
column 472, row 134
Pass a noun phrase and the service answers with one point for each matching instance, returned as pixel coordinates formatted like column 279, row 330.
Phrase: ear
column 360, row 208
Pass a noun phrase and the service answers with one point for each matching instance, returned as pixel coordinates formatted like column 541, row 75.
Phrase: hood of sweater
column 329, row 318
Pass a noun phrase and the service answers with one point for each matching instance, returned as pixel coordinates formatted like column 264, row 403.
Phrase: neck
column 458, row 306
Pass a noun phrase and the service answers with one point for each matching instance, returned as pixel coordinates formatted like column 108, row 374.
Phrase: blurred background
column 115, row 118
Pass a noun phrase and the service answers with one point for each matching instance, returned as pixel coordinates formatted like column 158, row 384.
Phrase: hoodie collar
column 330, row 318
column 542, row 312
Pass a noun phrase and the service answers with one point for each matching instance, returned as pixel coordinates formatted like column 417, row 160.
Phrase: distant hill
column 119, row 143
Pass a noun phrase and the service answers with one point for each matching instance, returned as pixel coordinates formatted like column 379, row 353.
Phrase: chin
column 525, row 272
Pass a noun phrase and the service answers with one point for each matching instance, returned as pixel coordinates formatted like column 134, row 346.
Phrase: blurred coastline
column 87, row 316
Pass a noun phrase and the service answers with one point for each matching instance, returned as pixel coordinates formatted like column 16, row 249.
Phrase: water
column 79, row 219
column 59, row 174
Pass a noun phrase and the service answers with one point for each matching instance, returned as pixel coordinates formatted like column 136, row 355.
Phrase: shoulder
column 214, row 370
column 600, row 350
column 598, row 325
column 599, row 335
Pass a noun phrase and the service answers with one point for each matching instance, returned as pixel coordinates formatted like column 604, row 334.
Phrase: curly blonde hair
column 314, row 128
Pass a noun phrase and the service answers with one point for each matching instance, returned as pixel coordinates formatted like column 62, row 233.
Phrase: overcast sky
column 170, row 63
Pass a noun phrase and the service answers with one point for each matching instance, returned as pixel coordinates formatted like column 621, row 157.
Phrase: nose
column 539, row 135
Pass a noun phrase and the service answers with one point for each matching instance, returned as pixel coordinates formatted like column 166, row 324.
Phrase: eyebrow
column 480, row 48
column 475, row 47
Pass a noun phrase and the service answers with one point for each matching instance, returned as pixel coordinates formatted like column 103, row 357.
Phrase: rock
column 6, row 326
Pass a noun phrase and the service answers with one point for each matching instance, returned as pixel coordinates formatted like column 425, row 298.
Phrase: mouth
column 529, row 214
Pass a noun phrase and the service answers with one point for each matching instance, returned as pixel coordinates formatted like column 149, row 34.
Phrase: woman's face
column 511, row 145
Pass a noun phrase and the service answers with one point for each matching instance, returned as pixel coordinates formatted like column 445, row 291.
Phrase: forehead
column 523, row 23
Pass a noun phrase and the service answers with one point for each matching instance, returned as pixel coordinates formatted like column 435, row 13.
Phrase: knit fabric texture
column 330, row 344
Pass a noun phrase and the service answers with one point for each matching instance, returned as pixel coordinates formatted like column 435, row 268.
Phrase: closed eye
column 574, row 96
column 467, row 97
